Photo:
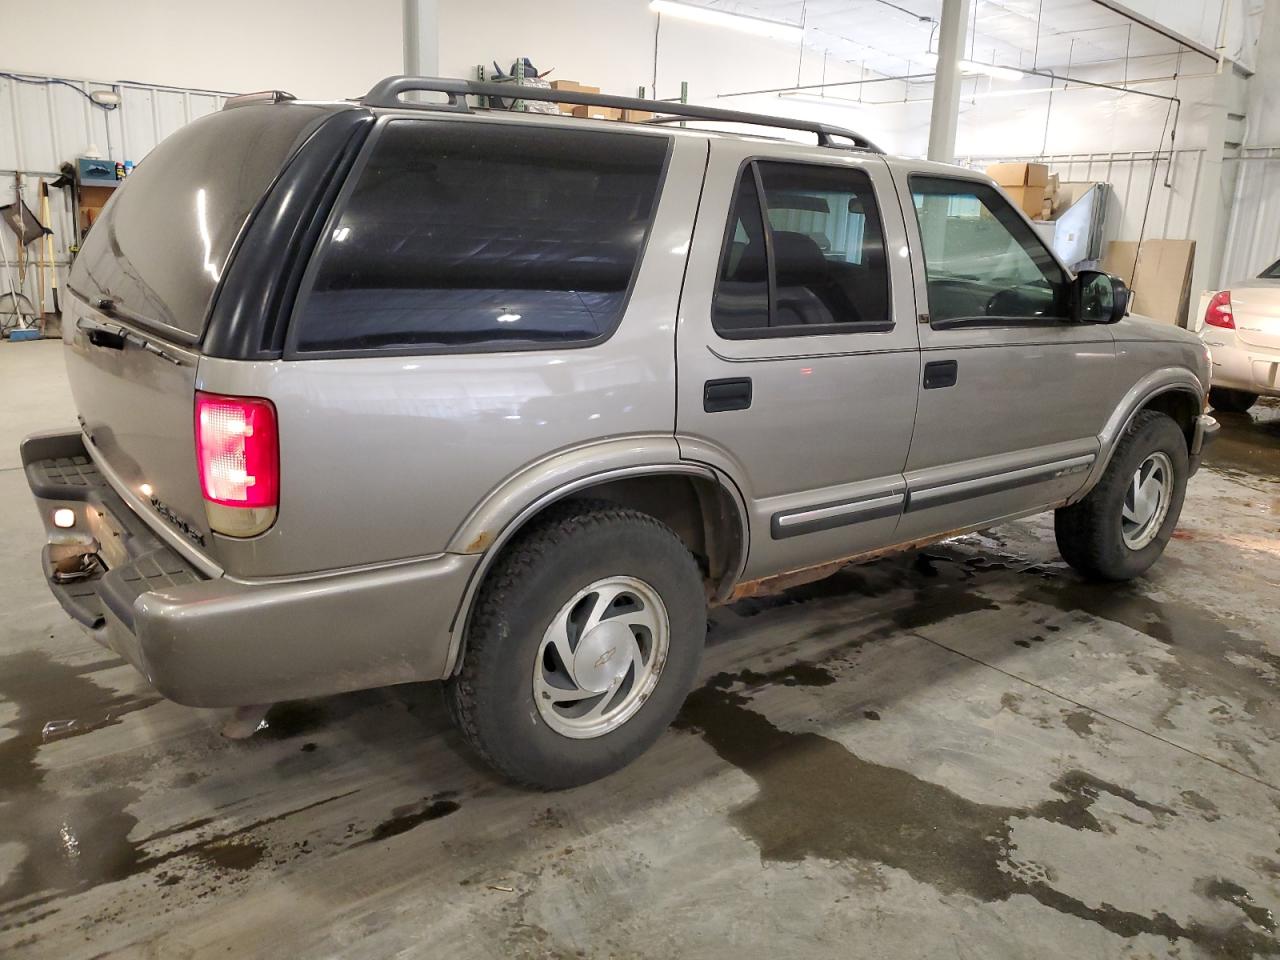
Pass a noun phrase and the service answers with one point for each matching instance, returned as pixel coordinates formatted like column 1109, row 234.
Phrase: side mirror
column 1099, row 297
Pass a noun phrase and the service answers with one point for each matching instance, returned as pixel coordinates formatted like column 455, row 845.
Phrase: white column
column 421, row 38
column 946, row 83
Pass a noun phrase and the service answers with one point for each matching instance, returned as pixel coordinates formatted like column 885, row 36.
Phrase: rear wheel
column 1226, row 400
column 1122, row 527
column 585, row 640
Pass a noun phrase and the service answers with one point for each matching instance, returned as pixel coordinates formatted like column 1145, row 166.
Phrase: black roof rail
column 262, row 96
column 388, row 92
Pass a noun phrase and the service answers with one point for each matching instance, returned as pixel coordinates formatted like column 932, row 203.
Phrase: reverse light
column 238, row 459
column 1218, row 313
column 64, row 518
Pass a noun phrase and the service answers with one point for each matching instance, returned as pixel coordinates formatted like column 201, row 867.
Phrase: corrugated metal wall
column 46, row 123
column 1253, row 241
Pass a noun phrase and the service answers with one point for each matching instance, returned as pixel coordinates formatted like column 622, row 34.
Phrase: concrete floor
column 966, row 752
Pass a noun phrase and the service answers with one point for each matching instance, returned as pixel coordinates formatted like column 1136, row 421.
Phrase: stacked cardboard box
column 1025, row 184
column 1049, row 210
column 572, row 86
column 595, row 113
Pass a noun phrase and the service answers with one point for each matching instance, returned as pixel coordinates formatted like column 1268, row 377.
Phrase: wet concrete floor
column 965, row 752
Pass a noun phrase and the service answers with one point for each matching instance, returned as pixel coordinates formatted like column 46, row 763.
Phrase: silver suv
column 392, row 390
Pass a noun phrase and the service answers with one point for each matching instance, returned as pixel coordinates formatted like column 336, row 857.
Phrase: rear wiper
column 121, row 334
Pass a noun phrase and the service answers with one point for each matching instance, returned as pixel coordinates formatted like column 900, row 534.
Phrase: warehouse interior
column 958, row 747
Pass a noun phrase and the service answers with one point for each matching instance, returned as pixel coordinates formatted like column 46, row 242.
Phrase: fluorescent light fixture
column 991, row 70
column 975, row 66
column 827, row 100
column 759, row 26
column 1030, row 91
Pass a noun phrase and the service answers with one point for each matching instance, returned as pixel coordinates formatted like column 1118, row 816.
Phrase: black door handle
column 721, row 395
column 940, row 373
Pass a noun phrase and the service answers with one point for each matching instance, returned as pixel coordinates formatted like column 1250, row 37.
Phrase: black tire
column 1226, row 400
column 572, row 545
column 1089, row 532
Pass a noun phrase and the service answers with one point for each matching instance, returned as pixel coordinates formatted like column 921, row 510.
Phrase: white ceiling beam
column 1164, row 31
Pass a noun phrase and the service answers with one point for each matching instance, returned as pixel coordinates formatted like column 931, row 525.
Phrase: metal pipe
column 912, row 77
column 824, row 86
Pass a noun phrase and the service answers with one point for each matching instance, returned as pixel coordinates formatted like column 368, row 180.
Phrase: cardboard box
column 574, row 86
column 1019, row 174
column 637, row 116
column 597, row 113
column 571, row 86
column 1024, row 183
column 1119, row 258
column 1159, row 274
column 1028, row 199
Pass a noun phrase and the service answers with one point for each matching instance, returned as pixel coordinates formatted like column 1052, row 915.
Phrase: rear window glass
column 470, row 234
column 160, row 247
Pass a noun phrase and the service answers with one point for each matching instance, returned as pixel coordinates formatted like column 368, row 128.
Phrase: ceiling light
column 976, row 66
column 1030, row 91
column 826, row 100
column 775, row 29
column 105, row 98
column 991, row 70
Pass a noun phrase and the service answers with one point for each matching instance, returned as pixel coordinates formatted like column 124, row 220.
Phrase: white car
column 1241, row 326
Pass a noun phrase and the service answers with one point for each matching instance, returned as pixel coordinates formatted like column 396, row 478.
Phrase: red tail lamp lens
column 1218, row 313
column 237, row 450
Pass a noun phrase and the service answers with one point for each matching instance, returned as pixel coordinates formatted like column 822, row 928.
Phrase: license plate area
column 110, row 536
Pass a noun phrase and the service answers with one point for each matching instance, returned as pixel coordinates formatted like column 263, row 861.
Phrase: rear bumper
column 1206, row 433
column 1241, row 366
column 223, row 641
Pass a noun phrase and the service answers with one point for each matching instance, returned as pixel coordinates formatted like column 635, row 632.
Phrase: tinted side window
column 812, row 262
column 461, row 234
column 1271, row 273
column 982, row 261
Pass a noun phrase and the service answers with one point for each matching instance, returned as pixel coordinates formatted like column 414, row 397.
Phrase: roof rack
column 388, row 92
column 262, row 96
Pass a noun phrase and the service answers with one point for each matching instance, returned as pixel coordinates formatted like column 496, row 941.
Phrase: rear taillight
column 238, row 457
column 1218, row 313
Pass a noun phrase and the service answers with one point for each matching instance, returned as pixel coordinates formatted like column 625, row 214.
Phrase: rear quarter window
column 483, row 236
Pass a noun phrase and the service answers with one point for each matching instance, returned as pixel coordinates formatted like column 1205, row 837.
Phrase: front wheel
column 1225, row 400
column 1122, row 527
column 585, row 640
